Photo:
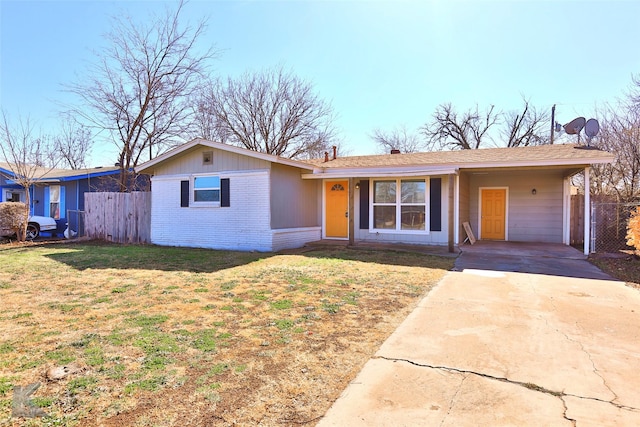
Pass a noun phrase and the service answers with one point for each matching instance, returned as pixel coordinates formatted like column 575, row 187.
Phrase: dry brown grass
column 186, row 337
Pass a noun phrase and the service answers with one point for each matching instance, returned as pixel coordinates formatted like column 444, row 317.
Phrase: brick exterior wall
column 295, row 237
column 244, row 226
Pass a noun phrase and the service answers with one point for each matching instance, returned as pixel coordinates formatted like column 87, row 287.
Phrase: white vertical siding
column 245, row 225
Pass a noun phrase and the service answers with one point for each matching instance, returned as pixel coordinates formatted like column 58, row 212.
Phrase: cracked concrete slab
column 500, row 348
column 388, row 393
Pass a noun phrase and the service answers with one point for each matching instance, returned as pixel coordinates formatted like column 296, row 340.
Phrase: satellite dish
column 591, row 128
column 575, row 126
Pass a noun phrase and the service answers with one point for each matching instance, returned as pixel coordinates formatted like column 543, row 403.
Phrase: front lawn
column 189, row 337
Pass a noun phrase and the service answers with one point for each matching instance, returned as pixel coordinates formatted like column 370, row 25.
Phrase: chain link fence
column 75, row 224
column 609, row 223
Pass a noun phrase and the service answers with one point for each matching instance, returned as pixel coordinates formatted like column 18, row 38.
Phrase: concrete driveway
column 493, row 348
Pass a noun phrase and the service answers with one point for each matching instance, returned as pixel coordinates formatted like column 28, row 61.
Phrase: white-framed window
column 206, row 190
column 400, row 204
column 54, row 201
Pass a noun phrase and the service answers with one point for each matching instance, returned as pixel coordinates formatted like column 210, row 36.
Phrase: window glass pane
column 54, row 193
column 412, row 217
column 206, row 182
column 206, row 196
column 413, row 191
column 384, row 192
column 384, row 216
column 54, row 210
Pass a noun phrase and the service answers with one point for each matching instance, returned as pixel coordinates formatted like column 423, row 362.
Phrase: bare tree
column 450, row 130
column 205, row 124
column 398, row 139
column 620, row 134
column 27, row 155
column 139, row 90
column 526, row 127
column 270, row 111
column 73, row 144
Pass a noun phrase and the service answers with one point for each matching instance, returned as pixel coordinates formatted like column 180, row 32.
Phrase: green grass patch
column 6, row 385
column 101, row 300
column 81, row 383
column 283, row 304
column 65, row 308
column 218, row 368
column 147, row 384
column 146, row 321
column 21, row 315
column 6, row 347
column 351, row 298
column 283, row 324
column 115, row 372
column 117, row 338
column 227, row 286
column 259, row 295
column 153, row 341
column 94, row 356
column 42, row 402
column 205, row 340
column 62, row 356
column 331, row 307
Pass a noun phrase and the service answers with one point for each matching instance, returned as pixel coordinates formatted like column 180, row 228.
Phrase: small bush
column 633, row 230
column 13, row 216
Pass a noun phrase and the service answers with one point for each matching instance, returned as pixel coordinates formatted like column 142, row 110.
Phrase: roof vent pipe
column 335, row 152
column 326, row 157
column 395, row 151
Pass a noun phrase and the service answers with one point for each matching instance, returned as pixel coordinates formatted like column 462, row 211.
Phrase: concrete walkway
column 492, row 348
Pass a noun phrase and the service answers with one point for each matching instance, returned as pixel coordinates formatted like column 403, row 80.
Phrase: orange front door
column 493, row 215
column 336, row 209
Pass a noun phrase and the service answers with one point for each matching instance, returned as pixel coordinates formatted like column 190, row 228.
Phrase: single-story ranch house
column 212, row 195
column 56, row 192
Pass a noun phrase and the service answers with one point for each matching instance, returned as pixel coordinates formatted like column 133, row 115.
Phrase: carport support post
column 352, row 190
column 587, row 210
column 451, row 216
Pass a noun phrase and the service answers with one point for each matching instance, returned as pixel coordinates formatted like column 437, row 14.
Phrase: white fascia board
column 378, row 173
column 527, row 163
column 224, row 147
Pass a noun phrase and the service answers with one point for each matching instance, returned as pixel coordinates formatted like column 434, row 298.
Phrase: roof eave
column 224, row 147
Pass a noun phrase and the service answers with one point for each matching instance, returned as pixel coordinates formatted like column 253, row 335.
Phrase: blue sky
column 380, row 63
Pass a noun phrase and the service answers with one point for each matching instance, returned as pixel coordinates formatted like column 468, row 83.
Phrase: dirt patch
column 624, row 266
column 191, row 337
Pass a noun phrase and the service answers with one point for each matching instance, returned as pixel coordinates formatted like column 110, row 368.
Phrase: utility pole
column 553, row 121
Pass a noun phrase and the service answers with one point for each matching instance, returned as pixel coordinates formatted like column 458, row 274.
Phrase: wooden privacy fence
column 118, row 217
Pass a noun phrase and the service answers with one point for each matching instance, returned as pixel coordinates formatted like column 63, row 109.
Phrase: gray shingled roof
column 557, row 154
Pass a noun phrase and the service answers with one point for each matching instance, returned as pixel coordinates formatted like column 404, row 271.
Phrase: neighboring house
column 59, row 191
column 212, row 195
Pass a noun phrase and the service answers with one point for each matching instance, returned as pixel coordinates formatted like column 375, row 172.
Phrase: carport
column 527, row 257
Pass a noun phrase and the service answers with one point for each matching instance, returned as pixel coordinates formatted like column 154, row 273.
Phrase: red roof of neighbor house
column 518, row 156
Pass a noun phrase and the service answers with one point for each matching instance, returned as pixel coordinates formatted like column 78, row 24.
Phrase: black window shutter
column 364, row 205
column 184, row 194
column 435, row 204
column 224, row 193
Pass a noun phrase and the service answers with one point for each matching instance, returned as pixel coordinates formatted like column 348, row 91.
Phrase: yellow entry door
column 493, row 215
column 336, row 209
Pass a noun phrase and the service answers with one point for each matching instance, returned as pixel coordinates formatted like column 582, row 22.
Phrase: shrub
column 633, row 230
column 13, row 216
